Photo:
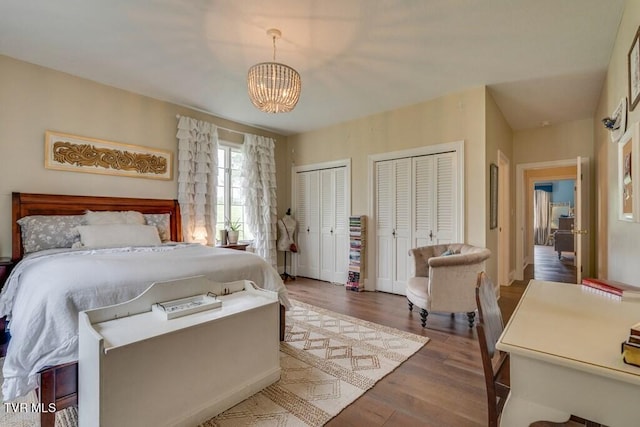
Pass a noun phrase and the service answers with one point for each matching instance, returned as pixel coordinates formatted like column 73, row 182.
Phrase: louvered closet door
column 402, row 217
column 393, row 225
column 334, row 237
column 434, row 188
column 341, row 226
column 327, row 216
column 307, row 215
column 385, row 186
column 446, row 196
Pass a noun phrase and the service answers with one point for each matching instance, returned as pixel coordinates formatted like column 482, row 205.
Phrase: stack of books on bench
column 631, row 347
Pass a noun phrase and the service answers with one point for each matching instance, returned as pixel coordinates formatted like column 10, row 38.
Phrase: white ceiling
column 542, row 59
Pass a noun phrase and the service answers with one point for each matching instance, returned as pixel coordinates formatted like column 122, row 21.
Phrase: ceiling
column 543, row 60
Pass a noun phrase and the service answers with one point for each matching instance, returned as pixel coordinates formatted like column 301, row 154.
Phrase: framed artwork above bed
column 81, row 154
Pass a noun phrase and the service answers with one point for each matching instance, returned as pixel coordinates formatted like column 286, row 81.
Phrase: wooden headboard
column 25, row 204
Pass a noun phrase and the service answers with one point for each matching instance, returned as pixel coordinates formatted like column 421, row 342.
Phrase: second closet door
column 334, row 239
column 322, row 214
column 416, row 205
column 393, row 227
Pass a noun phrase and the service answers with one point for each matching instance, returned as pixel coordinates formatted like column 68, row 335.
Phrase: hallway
column 547, row 266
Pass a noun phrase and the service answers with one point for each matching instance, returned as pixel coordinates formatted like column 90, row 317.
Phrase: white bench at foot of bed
column 136, row 368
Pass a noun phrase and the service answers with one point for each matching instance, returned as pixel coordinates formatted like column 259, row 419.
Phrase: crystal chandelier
column 274, row 87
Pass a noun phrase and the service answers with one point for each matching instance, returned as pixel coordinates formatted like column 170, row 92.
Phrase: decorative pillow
column 113, row 217
column 40, row 232
column 114, row 235
column 448, row 252
column 161, row 222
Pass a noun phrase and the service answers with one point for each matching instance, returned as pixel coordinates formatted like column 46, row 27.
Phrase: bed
column 48, row 287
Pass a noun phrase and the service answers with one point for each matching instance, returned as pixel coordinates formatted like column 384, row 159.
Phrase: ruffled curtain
column 541, row 230
column 259, row 181
column 197, row 179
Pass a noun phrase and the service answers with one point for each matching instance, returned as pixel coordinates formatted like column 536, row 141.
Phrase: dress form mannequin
column 287, row 228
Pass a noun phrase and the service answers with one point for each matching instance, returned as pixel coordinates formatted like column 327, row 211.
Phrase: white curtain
column 259, row 183
column 541, row 230
column 197, row 179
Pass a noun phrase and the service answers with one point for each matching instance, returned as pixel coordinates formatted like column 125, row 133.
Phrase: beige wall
column 499, row 136
column 557, row 142
column 455, row 117
column 35, row 99
column 618, row 238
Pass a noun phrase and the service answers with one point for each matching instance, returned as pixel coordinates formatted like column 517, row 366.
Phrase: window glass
column 230, row 198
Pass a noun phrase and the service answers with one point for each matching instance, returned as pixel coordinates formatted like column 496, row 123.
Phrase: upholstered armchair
column 445, row 279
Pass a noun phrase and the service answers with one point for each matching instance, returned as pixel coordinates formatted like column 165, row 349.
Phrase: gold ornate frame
column 82, row 154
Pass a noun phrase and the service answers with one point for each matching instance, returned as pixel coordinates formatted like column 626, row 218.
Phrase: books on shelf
column 357, row 254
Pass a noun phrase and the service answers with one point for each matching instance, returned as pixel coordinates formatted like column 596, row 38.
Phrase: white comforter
column 45, row 292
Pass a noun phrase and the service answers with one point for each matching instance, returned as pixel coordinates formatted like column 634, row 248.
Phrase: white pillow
column 114, row 235
column 114, row 217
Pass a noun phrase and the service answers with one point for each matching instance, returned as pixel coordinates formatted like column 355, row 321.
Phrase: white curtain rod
column 219, row 127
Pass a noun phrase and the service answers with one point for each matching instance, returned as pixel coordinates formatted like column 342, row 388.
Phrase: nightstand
column 236, row 246
column 5, row 268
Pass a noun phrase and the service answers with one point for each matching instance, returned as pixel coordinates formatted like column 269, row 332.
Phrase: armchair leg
column 410, row 305
column 470, row 317
column 423, row 317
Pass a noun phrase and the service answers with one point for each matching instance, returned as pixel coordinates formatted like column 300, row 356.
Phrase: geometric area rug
column 327, row 361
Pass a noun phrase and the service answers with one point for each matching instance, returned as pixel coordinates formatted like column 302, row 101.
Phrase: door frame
column 504, row 221
column 318, row 166
column 521, row 191
column 455, row 146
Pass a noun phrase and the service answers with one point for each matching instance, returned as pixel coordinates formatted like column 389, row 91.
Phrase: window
column 230, row 194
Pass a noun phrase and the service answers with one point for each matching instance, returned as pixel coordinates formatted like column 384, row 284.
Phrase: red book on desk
column 603, row 285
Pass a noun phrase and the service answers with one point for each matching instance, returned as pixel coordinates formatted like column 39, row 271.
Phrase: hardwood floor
column 547, row 265
column 441, row 385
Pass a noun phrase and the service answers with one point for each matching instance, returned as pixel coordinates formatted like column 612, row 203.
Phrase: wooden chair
column 495, row 363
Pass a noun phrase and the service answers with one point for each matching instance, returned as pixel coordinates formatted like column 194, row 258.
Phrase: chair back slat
column 489, row 313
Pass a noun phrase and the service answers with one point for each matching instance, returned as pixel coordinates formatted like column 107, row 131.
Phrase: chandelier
column 274, row 87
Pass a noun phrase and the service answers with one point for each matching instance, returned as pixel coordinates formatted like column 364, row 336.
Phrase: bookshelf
column 357, row 252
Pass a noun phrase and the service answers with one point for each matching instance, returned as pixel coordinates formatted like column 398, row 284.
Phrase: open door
column 582, row 218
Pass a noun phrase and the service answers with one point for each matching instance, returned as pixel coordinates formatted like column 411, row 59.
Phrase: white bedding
column 46, row 290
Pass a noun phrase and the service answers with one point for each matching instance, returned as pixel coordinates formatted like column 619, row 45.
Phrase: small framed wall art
column 633, row 59
column 493, row 196
column 628, row 152
column 81, row 154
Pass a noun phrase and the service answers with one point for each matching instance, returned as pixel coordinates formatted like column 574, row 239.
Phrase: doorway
column 554, row 255
column 526, row 251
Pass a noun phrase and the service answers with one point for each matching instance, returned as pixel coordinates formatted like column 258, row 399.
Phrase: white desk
column 564, row 343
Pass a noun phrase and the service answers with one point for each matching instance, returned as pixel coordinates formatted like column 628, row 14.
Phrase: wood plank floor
column 547, row 265
column 441, row 385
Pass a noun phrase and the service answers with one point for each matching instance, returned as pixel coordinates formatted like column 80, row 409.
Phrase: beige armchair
column 446, row 283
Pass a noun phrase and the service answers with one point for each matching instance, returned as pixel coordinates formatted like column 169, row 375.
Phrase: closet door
column 434, row 195
column 307, row 215
column 334, row 236
column 341, row 226
column 445, row 198
column 384, row 225
column 402, row 231
column 327, row 216
column 393, row 224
